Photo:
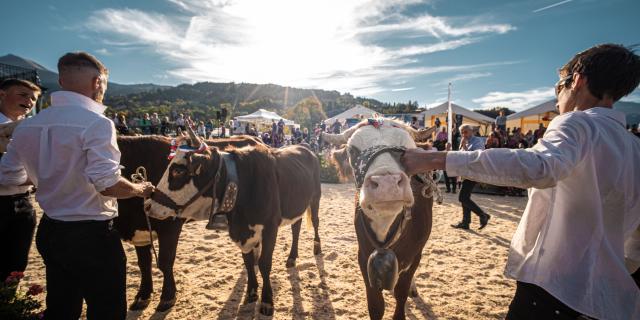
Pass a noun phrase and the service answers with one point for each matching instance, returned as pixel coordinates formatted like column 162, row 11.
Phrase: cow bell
column 382, row 268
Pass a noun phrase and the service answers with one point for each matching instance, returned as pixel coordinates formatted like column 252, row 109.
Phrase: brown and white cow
column 393, row 210
column 258, row 188
column 151, row 153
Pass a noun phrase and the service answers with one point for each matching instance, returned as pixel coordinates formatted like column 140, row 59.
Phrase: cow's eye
column 178, row 171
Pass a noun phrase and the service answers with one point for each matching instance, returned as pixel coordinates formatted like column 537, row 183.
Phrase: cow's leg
column 402, row 288
column 268, row 244
column 168, row 244
column 143, row 297
column 252, row 282
column 315, row 208
column 375, row 300
column 295, row 235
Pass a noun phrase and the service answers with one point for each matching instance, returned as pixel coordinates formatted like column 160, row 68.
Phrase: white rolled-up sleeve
column 103, row 155
column 551, row 159
column 12, row 171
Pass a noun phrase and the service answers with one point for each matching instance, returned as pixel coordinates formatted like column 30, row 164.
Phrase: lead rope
column 140, row 176
column 431, row 190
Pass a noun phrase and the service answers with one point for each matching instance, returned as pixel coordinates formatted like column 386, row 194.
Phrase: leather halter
column 361, row 161
column 230, row 195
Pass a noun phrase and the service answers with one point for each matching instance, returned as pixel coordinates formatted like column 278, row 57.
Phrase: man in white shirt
column 17, row 216
column 69, row 152
column 568, row 253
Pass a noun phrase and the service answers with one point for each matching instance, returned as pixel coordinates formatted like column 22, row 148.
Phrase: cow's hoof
column 266, row 309
column 251, row 298
column 165, row 305
column 291, row 263
column 316, row 248
column 139, row 304
column 413, row 292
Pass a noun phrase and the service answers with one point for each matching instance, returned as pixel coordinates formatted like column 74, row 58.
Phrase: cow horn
column 334, row 139
column 194, row 138
column 6, row 129
column 340, row 139
column 424, row 134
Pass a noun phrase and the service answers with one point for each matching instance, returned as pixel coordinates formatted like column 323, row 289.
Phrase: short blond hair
column 81, row 59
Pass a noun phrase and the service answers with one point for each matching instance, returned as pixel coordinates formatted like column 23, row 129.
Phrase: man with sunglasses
column 568, row 254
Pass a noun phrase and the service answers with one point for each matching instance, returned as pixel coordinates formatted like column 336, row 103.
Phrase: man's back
column 66, row 153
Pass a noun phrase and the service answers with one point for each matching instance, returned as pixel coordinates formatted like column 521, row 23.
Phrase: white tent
column 469, row 117
column 442, row 110
column 263, row 116
column 531, row 118
column 355, row 112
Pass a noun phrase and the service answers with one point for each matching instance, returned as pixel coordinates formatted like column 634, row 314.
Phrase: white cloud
column 462, row 77
column 337, row 44
column 104, row 52
column 516, row 100
column 402, row 89
column 633, row 97
column 551, row 6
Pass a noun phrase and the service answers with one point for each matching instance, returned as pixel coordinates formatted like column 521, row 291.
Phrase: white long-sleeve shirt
column 584, row 202
column 69, row 151
column 8, row 190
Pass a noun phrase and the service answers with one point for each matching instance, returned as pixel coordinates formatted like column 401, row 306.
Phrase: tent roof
column 443, row 108
column 357, row 110
column 539, row 109
column 263, row 115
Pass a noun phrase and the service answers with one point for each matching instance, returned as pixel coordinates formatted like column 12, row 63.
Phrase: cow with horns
column 257, row 188
column 151, row 153
column 393, row 210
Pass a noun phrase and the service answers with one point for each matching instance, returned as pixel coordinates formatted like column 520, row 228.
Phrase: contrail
column 551, row 6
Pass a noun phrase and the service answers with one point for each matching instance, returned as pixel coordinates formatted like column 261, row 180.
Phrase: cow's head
column 187, row 180
column 384, row 186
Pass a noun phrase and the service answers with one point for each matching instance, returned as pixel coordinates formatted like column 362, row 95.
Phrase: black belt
column 77, row 223
column 17, row 196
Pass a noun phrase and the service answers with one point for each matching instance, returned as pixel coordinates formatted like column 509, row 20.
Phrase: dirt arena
column 460, row 276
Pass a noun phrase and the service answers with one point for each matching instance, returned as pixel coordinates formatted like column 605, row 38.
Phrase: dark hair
column 80, row 59
column 12, row 82
column 612, row 70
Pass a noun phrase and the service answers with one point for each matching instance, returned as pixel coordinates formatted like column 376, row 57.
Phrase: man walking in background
column 470, row 142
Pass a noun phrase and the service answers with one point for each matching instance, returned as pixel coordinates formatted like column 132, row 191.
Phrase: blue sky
column 496, row 53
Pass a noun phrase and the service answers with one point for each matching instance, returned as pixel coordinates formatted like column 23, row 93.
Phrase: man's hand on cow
column 420, row 161
column 146, row 189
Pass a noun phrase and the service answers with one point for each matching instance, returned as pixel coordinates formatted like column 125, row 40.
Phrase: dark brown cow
column 151, row 153
column 393, row 211
column 274, row 188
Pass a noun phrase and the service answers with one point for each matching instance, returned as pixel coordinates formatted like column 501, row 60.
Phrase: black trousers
column 84, row 260
column 467, row 204
column 531, row 302
column 17, row 223
column 450, row 182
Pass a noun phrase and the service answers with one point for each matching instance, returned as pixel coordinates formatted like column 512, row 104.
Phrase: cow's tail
column 309, row 221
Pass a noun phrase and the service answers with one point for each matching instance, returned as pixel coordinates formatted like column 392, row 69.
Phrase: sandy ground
column 460, row 276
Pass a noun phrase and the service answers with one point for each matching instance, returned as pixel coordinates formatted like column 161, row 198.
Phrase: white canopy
column 444, row 108
column 263, row 116
column 549, row 106
column 354, row 112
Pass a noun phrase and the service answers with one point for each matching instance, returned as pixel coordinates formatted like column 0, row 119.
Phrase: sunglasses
column 563, row 83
